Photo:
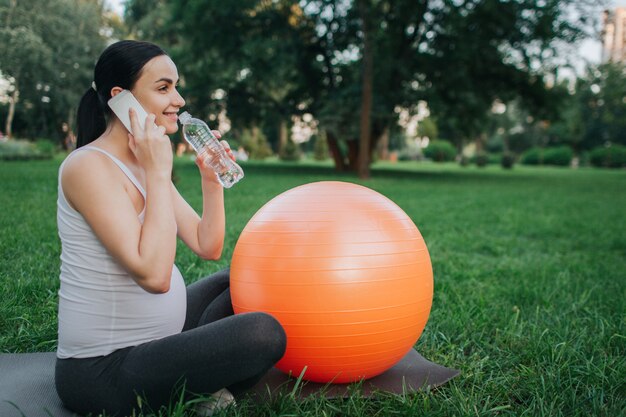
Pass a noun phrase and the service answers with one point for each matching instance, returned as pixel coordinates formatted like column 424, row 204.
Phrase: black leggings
column 216, row 349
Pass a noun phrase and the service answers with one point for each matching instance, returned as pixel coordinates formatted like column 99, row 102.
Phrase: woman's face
column 156, row 91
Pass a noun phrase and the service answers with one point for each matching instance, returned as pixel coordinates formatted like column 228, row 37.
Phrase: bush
column 507, row 160
column 290, row 151
column 23, row 150
column 481, row 159
column 464, row 160
column 608, row 156
column 560, row 156
column 256, row 144
column 320, row 148
column 440, row 151
column 533, row 156
column 46, row 147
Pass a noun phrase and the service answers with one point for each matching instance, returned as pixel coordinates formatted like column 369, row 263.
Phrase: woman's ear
column 116, row 90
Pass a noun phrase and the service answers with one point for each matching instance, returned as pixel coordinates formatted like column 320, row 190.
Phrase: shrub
column 23, row 150
column 320, row 148
column 560, row 156
column 481, row 159
column 256, row 144
column 608, row 156
column 46, row 147
column 494, row 158
column 290, row 151
column 464, row 160
column 440, row 151
column 533, row 156
column 410, row 154
column 507, row 160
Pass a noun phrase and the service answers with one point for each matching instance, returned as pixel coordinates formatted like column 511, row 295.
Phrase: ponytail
column 119, row 65
column 90, row 118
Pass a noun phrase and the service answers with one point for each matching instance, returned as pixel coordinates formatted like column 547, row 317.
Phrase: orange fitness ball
column 346, row 273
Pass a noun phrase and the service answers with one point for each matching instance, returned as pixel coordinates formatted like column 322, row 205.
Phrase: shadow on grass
column 402, row 173
column 431, row 173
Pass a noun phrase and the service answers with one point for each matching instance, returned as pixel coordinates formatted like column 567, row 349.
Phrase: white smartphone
column 120, row 105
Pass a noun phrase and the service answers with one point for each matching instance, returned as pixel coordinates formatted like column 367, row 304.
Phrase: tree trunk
column 353, row 154
column 383, row 145
column 13, row 99
column 282, row 135
column 480, row 142
column 366, row 96
column 335, row 151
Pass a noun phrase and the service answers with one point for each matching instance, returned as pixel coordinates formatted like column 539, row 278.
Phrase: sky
column 590, row 49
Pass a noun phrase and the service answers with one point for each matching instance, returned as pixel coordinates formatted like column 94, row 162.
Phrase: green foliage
column 428, row 128
column 495, row 144
column 440, row 151
column 600, row 104
column 507, row 160
column 559, row 156
column 294, row 57
column 481, row 159
column 255, row 143
column 507, row 41
column 46, row 147
column 320, row 147
column 20, row 150
column 533, row 156
column 48, row 48
column 609, row 156
column 290, row 151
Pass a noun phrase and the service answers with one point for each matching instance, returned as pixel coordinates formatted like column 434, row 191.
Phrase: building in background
column 614, row 35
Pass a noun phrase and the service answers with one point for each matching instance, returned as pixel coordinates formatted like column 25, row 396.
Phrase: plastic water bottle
column 200, row 137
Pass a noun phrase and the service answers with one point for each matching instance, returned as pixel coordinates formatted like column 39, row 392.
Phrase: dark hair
column 119, row 65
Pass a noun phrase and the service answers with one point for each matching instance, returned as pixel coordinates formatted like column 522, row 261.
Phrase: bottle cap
column 184, row 117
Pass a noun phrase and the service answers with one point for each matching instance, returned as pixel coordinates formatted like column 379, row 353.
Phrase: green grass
column 529, row 268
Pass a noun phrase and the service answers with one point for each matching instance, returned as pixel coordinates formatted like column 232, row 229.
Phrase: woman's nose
column 179, row 100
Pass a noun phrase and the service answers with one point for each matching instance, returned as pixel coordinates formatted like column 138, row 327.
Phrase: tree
column 459, row 56
column 48, row 50
column 366, row 92
column 25, row 58
column 601, row 104
column 249, row 58
column 273, row 59
column 428, row 128
column 490, row 50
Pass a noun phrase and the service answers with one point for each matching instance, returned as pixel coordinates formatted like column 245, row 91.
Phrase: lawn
column 529, row 268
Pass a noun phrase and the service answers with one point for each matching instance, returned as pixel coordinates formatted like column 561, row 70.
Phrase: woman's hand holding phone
column 148, row 142
column 150, row 145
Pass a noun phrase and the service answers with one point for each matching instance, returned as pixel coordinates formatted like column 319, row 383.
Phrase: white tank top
column 101, row 308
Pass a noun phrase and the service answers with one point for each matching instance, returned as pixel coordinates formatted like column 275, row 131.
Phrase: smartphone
column 120, row 105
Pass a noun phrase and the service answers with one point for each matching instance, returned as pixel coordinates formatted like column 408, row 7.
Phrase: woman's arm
column 204, row 235
column 96, row 189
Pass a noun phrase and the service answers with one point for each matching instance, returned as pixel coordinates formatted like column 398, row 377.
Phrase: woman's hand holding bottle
column 206, row 171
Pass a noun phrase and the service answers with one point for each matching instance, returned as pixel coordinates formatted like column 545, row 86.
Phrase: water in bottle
column 200, row 137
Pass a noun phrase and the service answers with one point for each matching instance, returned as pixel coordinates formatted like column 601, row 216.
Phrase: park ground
column 529, row 270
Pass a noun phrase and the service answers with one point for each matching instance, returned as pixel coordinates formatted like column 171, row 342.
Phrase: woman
column 128, row 327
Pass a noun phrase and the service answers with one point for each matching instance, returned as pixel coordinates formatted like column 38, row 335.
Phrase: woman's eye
column 164, row 88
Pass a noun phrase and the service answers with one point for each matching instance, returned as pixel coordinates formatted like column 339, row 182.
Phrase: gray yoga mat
column 27, row 383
